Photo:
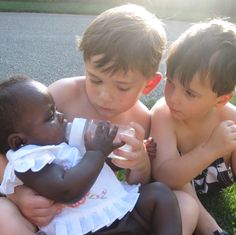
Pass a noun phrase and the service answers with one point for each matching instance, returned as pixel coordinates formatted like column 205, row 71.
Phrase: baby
column 33, row 137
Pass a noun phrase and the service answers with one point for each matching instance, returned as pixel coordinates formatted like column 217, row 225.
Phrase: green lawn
column 170, row 11
column 223, row 208
column 52, row 7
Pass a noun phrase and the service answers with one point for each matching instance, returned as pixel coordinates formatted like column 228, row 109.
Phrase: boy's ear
column 16, row 140
column 223, row 99
column 152, row 83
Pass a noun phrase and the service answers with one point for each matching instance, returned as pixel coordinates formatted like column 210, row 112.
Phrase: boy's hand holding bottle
column 137, row 158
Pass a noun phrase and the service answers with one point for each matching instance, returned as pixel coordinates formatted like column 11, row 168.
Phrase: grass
column 52, row 7
column 222, row 206
column 92, row 7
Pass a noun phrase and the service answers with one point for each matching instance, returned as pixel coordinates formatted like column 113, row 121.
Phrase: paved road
column 43, row 45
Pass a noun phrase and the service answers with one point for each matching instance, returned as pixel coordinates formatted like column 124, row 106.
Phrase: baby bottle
column 80, row 126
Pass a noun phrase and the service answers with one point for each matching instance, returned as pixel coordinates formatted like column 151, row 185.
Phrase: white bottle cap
column 77, row 132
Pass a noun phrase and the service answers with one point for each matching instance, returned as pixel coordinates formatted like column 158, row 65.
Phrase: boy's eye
column 190, row 94
column 95, row 81
column 124, row 88
column 169, row 81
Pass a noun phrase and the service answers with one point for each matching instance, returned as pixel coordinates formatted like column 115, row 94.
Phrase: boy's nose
column 106, row 96
column 175, row 97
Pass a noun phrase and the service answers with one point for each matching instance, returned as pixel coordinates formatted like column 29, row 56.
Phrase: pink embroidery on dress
column 89, row 195
column 80, row 202
column 101, row 195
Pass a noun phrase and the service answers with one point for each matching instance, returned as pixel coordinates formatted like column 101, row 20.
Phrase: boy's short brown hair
column 208, row 50
column 129, row 38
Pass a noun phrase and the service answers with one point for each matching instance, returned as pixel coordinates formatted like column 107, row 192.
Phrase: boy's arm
column 35, row 208
column 177, row 171
column 3, row 163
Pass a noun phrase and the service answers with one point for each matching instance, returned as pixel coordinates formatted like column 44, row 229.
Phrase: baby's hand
column 102, row 139
column 151, row 146
column 223, row 139
column 137, row 160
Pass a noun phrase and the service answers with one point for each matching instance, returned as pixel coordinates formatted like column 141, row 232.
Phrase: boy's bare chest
column 190, row 137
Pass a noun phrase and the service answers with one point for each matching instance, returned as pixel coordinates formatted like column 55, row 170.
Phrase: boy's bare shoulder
column 70, row 84
column 160, row 110
column 66, row 89
column 229, row 112
column 141, row 114
column 140, row 111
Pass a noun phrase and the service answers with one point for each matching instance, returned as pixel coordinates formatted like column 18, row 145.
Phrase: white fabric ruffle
column 78, row 221
column 33, row 157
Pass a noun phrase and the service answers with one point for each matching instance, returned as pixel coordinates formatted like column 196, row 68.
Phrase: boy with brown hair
column 122, row 49
column 194, row 125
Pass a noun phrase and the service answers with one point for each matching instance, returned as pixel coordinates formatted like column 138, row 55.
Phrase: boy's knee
column 188, row 205
column 189, row 210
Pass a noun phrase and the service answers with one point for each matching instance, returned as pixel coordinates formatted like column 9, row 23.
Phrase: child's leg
column 12, row 221
column 159, row 207
column 206, row 223
column 189, row 210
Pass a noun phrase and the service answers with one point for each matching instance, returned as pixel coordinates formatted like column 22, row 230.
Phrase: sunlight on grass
column 222, row 206
column 233, row 100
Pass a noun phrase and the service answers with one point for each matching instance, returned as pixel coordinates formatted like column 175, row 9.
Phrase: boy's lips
column 105, row 109
column 174, row 110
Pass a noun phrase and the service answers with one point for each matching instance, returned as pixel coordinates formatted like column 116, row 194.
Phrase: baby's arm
column 69, row 186
column 137, row 162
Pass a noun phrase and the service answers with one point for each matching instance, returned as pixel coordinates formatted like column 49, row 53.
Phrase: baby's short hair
column 129, row 37
column 10, row 107
column 206, row 49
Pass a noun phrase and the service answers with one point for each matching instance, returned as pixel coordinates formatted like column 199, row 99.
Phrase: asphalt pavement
column 43, row 45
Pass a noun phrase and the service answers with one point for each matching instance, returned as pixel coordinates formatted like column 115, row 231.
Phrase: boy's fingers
column 132, row 141
column 149, row 140
column 118, row 144
column 125, row 154
column 139, row 130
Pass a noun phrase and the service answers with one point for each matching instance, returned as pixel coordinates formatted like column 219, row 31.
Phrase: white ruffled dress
column 107, row 200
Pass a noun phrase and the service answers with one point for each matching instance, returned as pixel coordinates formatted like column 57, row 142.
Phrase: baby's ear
column 16, row 140
column 152, row 83
column 223, row 99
